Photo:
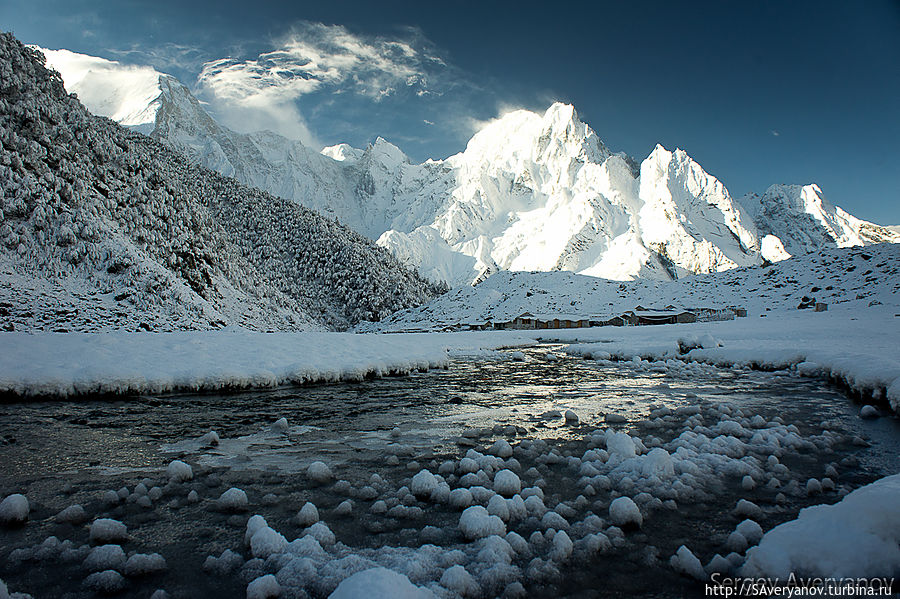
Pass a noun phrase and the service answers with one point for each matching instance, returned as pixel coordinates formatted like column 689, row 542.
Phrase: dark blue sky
column 756, row 92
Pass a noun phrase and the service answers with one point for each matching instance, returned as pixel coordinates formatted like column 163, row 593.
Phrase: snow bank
column 68, row 364
column 856, row 537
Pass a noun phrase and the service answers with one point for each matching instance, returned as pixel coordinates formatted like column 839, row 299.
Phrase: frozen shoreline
column 858, row 349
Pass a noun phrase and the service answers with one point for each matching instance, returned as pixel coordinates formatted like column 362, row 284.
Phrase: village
column 640, row 316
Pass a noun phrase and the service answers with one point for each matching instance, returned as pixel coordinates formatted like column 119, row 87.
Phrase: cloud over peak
column 314, row 57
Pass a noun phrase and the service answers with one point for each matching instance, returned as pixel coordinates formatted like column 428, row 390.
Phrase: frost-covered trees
column 177, row 246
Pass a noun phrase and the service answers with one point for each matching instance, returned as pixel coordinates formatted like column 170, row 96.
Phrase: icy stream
column 708, row 438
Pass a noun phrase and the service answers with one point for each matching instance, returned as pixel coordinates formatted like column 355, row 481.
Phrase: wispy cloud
column 312, row 58
column 167, row 57
column 774, row 133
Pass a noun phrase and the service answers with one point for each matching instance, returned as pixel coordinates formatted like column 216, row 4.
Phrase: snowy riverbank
column 67, row 364
column 859, row 349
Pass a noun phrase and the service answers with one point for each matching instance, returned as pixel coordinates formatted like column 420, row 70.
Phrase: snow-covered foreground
column 586, row 475
column 66, row 364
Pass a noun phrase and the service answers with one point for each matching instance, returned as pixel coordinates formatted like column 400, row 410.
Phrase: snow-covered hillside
column 530, row 192
column 106, row 228
column 850, row 278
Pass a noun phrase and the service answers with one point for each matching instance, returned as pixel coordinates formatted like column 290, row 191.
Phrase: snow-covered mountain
column 102, row 227
column 532, row 192
column 805, row 221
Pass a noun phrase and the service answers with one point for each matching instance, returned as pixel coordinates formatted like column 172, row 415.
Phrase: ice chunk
column 74, row 514
column 752, row 531
column 475, row 522
column 141, row 564
column 535, row 506
column 379, row 583
column 321, row 533
column 266, row 542
column 497, row 506
column 105, row 557
column 319, row 473
column 178, row 471
column 869, row 411
column 562, row 546
column 234, row 500
column 226, row 563
column 308, row 514
column 552, row 519
column 813, row 487
column 14, row 509
column 501, row 448
column 461, row 498
column 623, row 511
column 344, row 508
column 597, row 543
column 658, row 463
column 423, row 484
column 748, row 509
column 264, row 587
column 620, row 444
column 210, row 439
column 457, row 579
column 506, row 482
column 107, row 530
column 108, row 581
column 687, row 563
column 467, row 466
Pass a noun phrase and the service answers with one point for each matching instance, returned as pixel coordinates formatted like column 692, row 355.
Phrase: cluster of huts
column 637, row 317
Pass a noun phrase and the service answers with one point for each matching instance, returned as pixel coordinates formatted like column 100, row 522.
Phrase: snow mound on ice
column 14, row 509
column 233, row 499
column 475, row 522
column 856, row 537
column 178, row 471
column 624, row 511
column 107, row 530
column 379, row 583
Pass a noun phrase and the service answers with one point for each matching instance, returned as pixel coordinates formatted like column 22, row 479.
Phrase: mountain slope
column 106, row 228
column 850, row 280
column 530, row 192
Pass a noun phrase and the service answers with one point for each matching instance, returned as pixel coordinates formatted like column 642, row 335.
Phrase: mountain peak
column 385, row 153
column 127, row 94
column 561, row 113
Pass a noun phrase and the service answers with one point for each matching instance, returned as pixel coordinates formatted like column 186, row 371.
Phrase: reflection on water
column 420, row 414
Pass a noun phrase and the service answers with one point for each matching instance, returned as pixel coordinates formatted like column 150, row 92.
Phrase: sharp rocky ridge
column 531, row 192
column 106, row 228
